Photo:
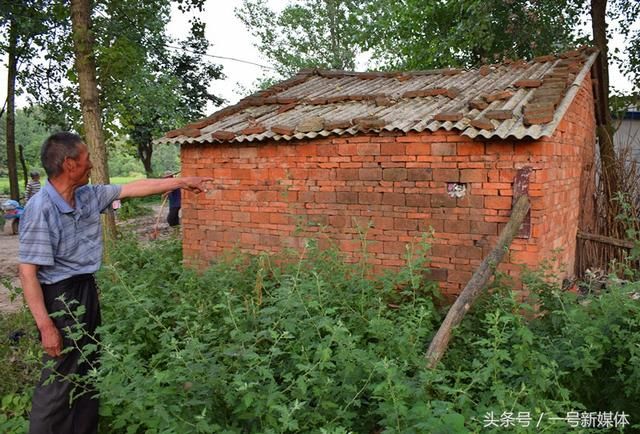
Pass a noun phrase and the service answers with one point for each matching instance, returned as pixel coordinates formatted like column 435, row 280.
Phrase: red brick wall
column 393, row 188
column 568, row 186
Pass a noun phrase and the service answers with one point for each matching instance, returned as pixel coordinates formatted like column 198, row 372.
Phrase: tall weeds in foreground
column 19, row 363
column 316, row 345
column 251, row 346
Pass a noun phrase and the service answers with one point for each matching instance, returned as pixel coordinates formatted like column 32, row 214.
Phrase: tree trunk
column 24, row 166
column 86, row 68
column 12, row 71
column 474, row 287
column 336, row 56
column 605, row 128
column 145, row 152
column 141, row 135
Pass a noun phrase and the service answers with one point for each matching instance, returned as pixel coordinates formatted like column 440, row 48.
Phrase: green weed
column 135, row 207
column 19, row 364
column 305, row 342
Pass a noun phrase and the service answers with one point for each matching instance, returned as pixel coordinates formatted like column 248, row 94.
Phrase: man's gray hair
column 56, row 148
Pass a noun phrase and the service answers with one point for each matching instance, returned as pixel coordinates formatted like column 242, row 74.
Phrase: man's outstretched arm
column 146, row 187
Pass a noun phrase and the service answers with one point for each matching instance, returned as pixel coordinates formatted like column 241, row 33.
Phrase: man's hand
column 51, row 340
column 195, row 184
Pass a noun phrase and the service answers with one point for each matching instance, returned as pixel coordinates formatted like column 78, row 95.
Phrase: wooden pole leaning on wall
column 473, row 289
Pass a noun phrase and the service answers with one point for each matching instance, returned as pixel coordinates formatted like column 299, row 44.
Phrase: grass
column 4, row 184
column 19, row 358
column 124, row 179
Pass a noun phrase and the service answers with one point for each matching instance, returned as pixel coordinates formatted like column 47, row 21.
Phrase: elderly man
column 60, row 249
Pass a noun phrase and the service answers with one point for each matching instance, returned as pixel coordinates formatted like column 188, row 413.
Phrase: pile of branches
column 616, row 214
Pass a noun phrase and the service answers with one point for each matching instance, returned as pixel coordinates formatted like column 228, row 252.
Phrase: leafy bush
column 123, row 162
column 315, row 344
column 309, row 343
column 595, row 341
column 14, row 410
column 166, row 157
column 254, row 347
column 19, row 364
column 134, row 207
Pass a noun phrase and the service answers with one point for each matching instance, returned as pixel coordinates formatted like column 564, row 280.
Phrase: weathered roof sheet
column 515, row 99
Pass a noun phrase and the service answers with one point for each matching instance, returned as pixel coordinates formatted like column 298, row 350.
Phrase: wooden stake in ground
column 155, row 232
column 478, row 281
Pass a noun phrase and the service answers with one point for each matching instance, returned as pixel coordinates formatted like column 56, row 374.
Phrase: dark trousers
column 52, row 410
column 172, row 218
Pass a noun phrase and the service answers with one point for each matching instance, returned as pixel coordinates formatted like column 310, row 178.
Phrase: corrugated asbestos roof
column 514, row 99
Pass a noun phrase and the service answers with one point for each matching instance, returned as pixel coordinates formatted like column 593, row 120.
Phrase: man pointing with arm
column 60, row 249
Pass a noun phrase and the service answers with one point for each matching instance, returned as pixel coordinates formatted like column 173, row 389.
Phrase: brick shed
column 333, row 154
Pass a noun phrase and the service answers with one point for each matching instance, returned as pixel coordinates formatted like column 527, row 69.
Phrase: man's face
column 82, row 167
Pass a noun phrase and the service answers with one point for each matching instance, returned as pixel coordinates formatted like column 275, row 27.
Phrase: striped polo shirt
column 64, row 241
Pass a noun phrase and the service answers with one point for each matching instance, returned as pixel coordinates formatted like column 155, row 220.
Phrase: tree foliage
column 622, row 17
column 21, row 25
column 30, row 21
column 30, row 133
column 306, row 33
column 179, row 93
column 167, row 85
column 419, row 34
column 148, row 82
column 425, row 34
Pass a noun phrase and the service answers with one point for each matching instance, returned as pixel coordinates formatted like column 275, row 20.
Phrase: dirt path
column 143, row 227
column 8, row 271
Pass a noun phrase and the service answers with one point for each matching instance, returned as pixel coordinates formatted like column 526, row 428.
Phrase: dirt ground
column 8, row 271
column 143, row 227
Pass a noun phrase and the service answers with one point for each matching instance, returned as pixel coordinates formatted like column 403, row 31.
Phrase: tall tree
column 21, row 26
column 625, row 12
column 623, row 15
column 407, row 34
column 168, row 86
column 419, row 34
column 144, row 89
column 178, row 94
column 307, row 33
column 605, row 129
column 30, row 132
column 12, row 70
column 86, row 68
